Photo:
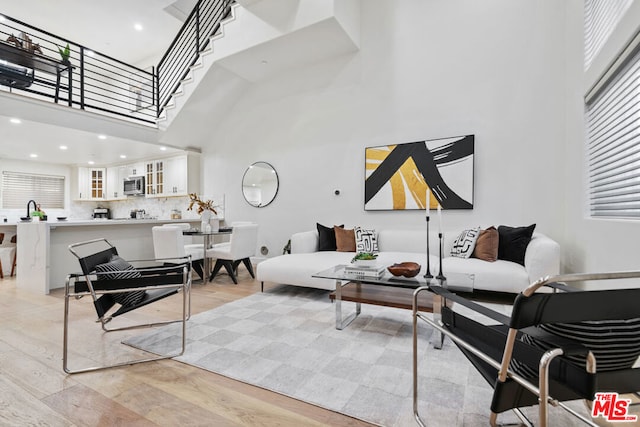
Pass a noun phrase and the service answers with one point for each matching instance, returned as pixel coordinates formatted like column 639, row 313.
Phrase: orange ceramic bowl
column 406, row 269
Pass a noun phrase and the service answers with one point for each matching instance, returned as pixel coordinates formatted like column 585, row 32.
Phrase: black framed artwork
column 404, row 176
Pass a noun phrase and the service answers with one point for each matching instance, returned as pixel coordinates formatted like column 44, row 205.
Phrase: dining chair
column 1, row 272
column 239, row 249
column 168, row 244
column 8, row 254
column 188, row 240
column 14, row 240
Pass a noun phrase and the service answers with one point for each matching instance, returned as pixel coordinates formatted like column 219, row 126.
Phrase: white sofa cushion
column 304, row 242
column 404, row 241
column 501, row 276
column 297, row 269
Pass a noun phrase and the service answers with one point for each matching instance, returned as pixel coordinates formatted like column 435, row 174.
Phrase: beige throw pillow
column 345, row 240
column 487, row 245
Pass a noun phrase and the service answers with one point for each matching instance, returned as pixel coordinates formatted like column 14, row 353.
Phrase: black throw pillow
column 327, row 237
column 513, row 242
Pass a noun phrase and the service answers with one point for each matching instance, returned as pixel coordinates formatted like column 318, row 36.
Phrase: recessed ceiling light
column 63, row 147
column 91, row 162
column 163, row 148
column 15, row 121
column 122, row 156
column 90, row 52
column 138, row 26
column 102, row 136
column 33, row 156
column 1, row 18
column 264, row 62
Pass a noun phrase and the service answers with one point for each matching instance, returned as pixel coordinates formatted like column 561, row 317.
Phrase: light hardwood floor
column 34, row 390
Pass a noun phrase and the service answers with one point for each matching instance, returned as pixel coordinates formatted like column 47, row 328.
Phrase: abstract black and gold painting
column 397, row 176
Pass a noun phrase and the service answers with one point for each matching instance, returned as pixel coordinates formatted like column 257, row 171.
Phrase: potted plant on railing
column 65, row 54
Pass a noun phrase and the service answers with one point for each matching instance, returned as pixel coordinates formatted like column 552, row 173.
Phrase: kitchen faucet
column 35, row 206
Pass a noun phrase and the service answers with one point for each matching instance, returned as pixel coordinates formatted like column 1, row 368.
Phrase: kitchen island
column 43, row 257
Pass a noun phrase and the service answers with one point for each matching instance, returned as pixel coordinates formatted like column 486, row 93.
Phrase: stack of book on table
column 356, row 271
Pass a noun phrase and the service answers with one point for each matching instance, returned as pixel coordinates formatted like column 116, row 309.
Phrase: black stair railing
column 31, row 64
column 194, row 36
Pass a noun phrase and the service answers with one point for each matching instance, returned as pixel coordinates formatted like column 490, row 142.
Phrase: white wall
column 425, row 70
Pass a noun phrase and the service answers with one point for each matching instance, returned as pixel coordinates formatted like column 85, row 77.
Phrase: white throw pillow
column 465, row 243
column 366, row 240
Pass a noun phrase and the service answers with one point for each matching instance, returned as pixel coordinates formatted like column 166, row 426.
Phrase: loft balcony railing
column 31, row 63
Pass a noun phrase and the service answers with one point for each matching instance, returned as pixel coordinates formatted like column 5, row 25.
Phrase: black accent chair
column 118, row 287
column 557, row 346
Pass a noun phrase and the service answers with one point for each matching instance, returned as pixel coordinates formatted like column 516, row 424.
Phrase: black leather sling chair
column 562, row 344
column 124, row 286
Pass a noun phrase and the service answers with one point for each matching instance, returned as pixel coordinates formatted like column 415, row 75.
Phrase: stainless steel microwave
column 134, row 186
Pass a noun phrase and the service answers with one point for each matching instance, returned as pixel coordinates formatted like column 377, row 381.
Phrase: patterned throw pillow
column 614, row 343
column 118, row 268
column 465, row 242
column 366, row 240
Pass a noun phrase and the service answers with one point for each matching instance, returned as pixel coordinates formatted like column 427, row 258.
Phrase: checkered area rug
column 285, row 340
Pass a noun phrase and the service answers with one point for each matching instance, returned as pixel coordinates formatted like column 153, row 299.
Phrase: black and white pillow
column 366, row 240
column 118, row 268
column 614, row 343
column 465, row 243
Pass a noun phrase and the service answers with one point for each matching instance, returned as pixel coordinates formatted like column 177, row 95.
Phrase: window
column 600, row 18
column 18, row 188
column 613, row 129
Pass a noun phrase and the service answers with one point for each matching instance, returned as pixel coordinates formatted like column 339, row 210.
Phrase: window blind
column 18, row 188
column 613, row 130
column 600, row 18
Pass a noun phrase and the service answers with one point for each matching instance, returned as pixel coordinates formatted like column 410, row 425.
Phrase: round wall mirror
column 260, row 184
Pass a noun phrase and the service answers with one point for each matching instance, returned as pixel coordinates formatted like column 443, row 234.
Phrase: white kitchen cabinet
column 173, row 176
column 154, row 178
column 166, row 177
column 134, row 169
column 115, row 182
column 91, row 183
column 176, row 177
column 83, row 184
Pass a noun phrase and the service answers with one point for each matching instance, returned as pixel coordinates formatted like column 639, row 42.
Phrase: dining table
column 206, row 242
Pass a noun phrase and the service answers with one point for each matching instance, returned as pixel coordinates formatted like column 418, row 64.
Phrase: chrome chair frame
column 556, row 283
column 163, row 280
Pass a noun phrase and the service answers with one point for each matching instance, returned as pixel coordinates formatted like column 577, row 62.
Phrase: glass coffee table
column 388, row 290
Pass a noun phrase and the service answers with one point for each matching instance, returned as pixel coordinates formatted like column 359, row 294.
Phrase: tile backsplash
column 159, row 207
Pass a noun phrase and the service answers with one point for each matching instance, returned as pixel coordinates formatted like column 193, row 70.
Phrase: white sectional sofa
column 542, row 258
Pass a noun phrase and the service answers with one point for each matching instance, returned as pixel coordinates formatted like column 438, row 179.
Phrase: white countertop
column 106, row 222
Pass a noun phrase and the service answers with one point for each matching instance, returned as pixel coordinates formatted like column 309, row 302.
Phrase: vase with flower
column 207, row 211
